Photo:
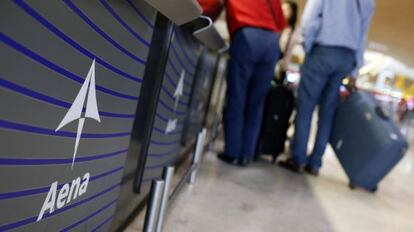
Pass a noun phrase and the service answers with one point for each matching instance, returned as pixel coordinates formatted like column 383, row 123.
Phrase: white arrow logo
column 171, row 125
column 75, row 112
column 179, row 91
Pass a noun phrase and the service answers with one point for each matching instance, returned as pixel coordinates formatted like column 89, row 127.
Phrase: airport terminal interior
column 112, row 119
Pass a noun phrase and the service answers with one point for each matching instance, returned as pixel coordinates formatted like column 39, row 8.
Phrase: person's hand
column 351, row 86
column 348, row 89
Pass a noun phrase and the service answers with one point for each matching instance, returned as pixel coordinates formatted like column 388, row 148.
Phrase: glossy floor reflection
column 264, row 197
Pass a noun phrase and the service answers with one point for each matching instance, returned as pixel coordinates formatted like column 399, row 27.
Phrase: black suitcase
column 276, row 121
column 367, row 142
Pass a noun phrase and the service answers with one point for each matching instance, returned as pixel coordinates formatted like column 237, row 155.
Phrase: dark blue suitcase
column 366, row 141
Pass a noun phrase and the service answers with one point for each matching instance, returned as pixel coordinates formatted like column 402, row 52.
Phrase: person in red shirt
column 266, row 14
column 254, row 27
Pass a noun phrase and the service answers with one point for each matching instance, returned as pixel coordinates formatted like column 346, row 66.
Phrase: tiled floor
column 264, row 197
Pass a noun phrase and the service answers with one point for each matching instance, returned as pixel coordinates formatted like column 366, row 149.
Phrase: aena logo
column 57, row 198
column 68, row 192
column 88, row 93
column 179, row 91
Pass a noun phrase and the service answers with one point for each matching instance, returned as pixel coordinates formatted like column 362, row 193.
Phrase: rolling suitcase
column 366, row 141
column 275, row 123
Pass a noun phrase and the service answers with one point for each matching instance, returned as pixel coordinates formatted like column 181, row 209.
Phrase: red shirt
column 255, row 13
column 247, row 13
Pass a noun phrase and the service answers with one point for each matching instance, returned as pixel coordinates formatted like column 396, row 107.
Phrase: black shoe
column 312, row 171
column 226, row 158
column 290, row 165
column 243, row 162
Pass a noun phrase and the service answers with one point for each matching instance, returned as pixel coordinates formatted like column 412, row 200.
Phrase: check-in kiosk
column 95, row 99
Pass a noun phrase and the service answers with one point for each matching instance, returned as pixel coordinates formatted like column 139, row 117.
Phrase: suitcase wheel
column 352, row 185
column 274, row 159
column 374, row 189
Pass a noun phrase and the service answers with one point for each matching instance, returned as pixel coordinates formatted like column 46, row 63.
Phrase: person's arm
column 277, row 13
column 311, row 22
column 366, row 21
column 212, row 8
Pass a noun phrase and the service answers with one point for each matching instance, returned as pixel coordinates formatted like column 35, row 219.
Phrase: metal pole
column 214, row 130
column 167, row 176
column 153, row 206
column 197, row 155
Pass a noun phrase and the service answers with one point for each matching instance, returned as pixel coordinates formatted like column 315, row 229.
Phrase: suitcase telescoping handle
column 378, row 109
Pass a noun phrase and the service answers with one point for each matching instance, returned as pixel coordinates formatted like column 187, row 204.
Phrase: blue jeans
column 321, row 77
column 253, row 56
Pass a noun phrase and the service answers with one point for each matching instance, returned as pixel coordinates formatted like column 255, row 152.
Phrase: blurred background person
column 289, row 38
